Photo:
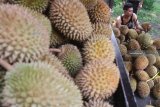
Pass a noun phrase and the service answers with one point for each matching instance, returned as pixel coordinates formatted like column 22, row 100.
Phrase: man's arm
column 118, row 22
column 136, row 22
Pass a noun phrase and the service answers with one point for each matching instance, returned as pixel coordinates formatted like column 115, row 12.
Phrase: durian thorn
column 5, row 64
column 54, row 50
column 152, row 77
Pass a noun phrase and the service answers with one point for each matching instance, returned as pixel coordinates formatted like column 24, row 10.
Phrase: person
column 128, row 18
column 137, row 4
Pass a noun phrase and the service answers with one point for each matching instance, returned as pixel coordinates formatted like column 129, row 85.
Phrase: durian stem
column 5, row 64
column 54, row 50
column 152, row 77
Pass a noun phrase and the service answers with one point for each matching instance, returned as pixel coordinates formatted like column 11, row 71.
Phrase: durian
column 98, row 47
column 132, row 34
column 151, row 71
column 89, row 4
column 146, row 26
column 71, row 58
column 97, row 103
column 124, row 29
column 157, row 80
column 123, row 49
column 71, row 19
column 56, row 39
column 152, row 50
column 133, row 45
column 150, row 83
column 157, row 43
column 102, row 29
column 145, row 40
column 127, row 57
column 128, row 65
column 157, row 64
column 98, row 79
column 142, row 75
column 39, row 84
column 133, row 84
column 143, row 89
column 25, row 39
column 141, row 62
column 156, row 91
column 122, row 38
column 100, row 12
column 151, row 58
column 116, row 31
column 54, row 61
column 37, row 5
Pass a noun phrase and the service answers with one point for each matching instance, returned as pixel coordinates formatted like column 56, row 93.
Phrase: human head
column 128, row 9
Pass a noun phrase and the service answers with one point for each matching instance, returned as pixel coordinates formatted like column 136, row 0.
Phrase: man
column 128, row 18
column 137, row 4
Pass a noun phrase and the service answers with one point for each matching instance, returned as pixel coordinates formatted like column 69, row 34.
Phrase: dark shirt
column 130, row 23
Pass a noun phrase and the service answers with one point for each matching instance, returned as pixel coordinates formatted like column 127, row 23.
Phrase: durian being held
column 98, row 79
column 39, row 84
column 70, row 17
column 22, row 36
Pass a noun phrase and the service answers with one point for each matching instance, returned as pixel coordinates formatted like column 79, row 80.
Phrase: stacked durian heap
column 142, row 60
column 56, row 53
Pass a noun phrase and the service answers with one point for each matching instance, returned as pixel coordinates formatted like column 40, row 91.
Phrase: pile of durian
column 56, row 53
column 141, row 55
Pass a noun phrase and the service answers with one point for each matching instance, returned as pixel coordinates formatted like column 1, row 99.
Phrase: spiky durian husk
column 98, row 47
column 133, row 45
column 89, row 4
column 124, row 29
column 150, row 83
column 151, row 71
column 143, row 89
column 132, row 34
column 97, row 103
column 156, row 91
column 157, row 64
column 133, row 84
column 142, row 75
column 37, row 5
column 157, row 80
column 102, row 29
column 53, row 60
column 128, row 65
column 44, row 20
column 127, row 57
column 25, row 39
column 116, row 32
column 157, row 43
column 152, row 50
column 122, row 38
column 39, row 84
column 151, row 58
column 71, row 19
column 100, row 13
column 145, row 40
column 56, row 39
column 98, row 79
column 123, row 49
column 141, row 62
column 71, row 58
column 146, row 26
